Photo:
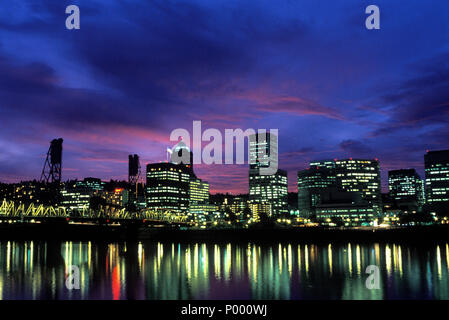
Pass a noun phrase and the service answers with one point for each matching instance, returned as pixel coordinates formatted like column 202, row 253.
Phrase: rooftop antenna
column 169, row 152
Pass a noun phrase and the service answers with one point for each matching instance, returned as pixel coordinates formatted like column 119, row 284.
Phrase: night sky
column 136, row 70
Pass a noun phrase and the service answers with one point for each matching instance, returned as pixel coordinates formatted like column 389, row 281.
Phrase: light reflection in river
column 154, row 270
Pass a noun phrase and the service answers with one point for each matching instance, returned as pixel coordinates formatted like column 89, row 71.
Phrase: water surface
column 152, row 270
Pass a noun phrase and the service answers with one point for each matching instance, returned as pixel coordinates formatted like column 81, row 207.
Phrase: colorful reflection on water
column 152, row 270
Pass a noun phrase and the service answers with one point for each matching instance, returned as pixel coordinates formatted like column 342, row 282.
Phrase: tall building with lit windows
column 345, row 190
column 199, row 203
column 181, row 154
column 311, row 183
column 269, row 189
column 361, row 176
column 168, row 186
column 436, row 164
column 406, row 189
column 323, row 164
column 199, row 191
column 263, row 151
column 76, row 195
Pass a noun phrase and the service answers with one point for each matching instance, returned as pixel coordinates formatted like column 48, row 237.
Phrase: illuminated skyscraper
column 181, row 154
column 263, row 151
column 323, row 164
column 406, row 189
column 345, row 189
column 361, row 176
column 436, row 165
column 311, row 183
column 200, row 209
column 270, row 189
column 76, row 195
column 199, row 191
column 75, row 199
column 168, row 187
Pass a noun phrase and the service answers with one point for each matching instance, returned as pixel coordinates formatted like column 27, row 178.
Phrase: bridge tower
column 134, row 172
column 51, row 173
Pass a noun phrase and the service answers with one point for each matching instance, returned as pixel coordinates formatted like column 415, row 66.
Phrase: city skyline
column 224, row 158
column 311, row 164
column 331, row 87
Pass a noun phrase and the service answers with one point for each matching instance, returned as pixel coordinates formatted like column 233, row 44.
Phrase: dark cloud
column 137, row 70
column 421, row 100
column 355, row 148
column 34, row 90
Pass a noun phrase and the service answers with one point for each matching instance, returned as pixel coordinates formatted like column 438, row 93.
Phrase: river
column 156, row 270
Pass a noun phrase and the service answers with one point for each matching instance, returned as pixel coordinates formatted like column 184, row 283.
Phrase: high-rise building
column 406, row 189
column 345, row 189
column 76, row 195
column 199, row 205
column 323, row 164
column 361, row 176
column 263, row 151
column 271, row 189
column 311, row 183
column 199, row 196
column 168, row 187
column 436, row 164
column 199, row 192
column 181, row 154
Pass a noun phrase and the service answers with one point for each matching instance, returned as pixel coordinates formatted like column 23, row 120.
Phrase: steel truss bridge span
column 9, row 210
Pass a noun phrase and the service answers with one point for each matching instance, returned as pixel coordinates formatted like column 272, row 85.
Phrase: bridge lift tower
column 51, row 173
column 134, row 172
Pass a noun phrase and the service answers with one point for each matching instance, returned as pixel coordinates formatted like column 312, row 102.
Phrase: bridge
column 9, row 210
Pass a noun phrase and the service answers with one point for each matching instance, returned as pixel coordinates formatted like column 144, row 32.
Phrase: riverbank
column 139, row 232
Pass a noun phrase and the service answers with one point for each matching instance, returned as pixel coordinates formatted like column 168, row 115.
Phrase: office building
column 361, row 176
column 406, row 190
column 263, row 151
column 270, row 189
column 182, row 155
column 344, row 208
column 345, row 214
column 75, row 198
column 76, row 195
column 199, row 192
column 311, row 183
column 168, row 187
column 258, row 210
column 436, row 164
column 348, row 190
